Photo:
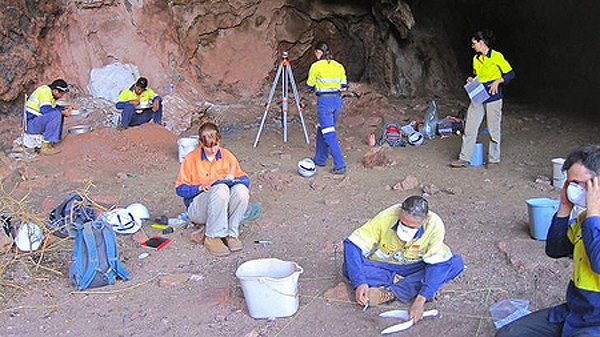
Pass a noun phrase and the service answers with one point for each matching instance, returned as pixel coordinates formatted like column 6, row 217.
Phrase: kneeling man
column 400, row 254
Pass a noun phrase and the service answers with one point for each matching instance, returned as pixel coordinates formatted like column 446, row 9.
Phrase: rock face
column 202, row 51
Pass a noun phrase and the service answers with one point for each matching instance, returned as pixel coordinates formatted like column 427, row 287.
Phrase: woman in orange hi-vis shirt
column 215, row 191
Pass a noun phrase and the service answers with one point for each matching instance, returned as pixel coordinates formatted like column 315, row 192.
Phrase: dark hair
column 60, row 85
column 416, row 206
column 209, row 134
column 587, row 155
column 487, row 36
column 322, row 46
column 142, row 82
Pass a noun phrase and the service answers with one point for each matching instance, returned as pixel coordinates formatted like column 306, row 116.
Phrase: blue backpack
column 74, row 211
column 95, row 261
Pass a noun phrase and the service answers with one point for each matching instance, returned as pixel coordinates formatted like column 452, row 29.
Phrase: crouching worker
column 215, row 191
column 139, row 105
column 578, row 238
column 400, row 254
column 46, row 117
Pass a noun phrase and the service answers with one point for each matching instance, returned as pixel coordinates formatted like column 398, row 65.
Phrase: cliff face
column 216, row 50
column 24, row 28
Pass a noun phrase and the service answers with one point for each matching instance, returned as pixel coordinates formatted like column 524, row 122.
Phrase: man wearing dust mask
column 400, row 254
column 576, row 236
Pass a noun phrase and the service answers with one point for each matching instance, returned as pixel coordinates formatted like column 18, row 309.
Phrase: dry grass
column 47, row 262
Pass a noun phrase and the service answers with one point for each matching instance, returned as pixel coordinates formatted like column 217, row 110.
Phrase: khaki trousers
column 221, row 209
column 493, row 114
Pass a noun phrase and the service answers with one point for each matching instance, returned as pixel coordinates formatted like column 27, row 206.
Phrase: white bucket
column 185, row 146
column 558, row 175
column 32, row 141
column 270, row 287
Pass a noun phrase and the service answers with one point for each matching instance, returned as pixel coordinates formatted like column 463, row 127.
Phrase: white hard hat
column 140, row 211
column 306, row 167
column 416, row 138
column 29, row 237
column 122, row 221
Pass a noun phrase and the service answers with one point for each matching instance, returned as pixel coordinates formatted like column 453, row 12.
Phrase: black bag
column 70, row 214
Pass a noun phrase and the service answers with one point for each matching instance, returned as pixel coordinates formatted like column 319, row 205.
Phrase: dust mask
column 576, row 194
column 405, row 233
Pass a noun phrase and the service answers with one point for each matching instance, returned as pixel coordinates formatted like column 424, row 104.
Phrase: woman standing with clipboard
column 492, row 70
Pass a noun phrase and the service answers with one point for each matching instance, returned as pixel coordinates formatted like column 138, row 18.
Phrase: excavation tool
column 284, row 71
column 403, row 315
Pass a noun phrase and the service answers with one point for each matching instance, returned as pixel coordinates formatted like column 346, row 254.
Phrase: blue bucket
column 477, row 157
column 541, row 211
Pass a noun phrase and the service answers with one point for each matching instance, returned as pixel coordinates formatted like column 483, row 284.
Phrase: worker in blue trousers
column 328, row 78
column 400, row 254
column 45, row 116
column 139, row 104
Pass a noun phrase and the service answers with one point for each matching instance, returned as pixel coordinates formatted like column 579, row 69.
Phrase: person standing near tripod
column 328, row 78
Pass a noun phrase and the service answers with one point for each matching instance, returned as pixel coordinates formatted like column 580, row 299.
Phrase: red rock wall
column 214, row 50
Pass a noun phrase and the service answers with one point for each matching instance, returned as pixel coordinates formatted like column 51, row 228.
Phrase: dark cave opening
column 551, row 45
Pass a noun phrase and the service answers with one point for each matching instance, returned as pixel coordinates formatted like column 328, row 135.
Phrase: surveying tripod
column 287, row 81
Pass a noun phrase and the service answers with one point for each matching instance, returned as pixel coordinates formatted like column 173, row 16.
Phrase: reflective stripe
column 360, row 243
column 33, row 112
column 328, row 89
column 329, row 79
column 328, row 130
column 381, row 255
column 33, row 99
column 439, row 257
column 45, row 103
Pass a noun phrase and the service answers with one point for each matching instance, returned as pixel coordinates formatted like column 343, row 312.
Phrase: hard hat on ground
column 29, row 237
column 416, row 139
column 306, row 167
column 122, row 221
column 140, row 211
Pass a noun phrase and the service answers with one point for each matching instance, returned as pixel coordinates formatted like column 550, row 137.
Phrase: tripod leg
column 268, row 105
column 284, row 103
column 297, row 99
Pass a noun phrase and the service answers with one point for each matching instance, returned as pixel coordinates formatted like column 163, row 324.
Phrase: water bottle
column 180, row 220
column 171, row 86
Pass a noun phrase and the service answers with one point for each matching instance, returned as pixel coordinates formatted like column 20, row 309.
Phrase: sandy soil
column 183, row 291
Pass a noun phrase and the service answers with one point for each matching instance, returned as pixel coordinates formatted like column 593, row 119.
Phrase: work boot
column 380, row 295
column 234, row 244
column 48, row 150
column 215, row 246
column 460, row 163
column 341, row 170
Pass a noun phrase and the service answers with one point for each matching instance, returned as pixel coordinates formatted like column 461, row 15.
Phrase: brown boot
column 215, row 246
column 234, row 244
column 380, row 295
column 48, row 150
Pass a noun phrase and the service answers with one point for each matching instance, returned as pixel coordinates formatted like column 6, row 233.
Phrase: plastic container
column 186, row 145
column 477, row 157
column 541, row 211
column 509, row 310
column 270, row 287
column 558, row 175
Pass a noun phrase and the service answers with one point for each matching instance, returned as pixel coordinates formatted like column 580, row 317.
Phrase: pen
column 263, row 242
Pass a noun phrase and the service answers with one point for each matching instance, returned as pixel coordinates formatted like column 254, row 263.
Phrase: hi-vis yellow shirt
column 129, row 94
column 378, row 240
column 583, row 276
column 42, row 96
column 490, row 68
column 327, row 76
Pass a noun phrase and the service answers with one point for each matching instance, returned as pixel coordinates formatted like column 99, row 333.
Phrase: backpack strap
column 90, row 242
column 77, row 261
column 110, row 242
